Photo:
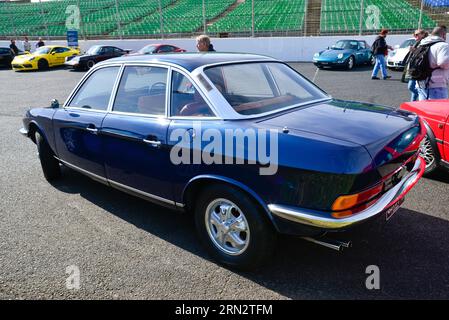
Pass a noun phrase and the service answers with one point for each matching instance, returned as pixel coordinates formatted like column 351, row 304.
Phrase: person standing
column 380, row 50
column 435, row 87
column 419, row 35
column 40, row 43
column 26, row 45
column 13, row 47
column 203, row 44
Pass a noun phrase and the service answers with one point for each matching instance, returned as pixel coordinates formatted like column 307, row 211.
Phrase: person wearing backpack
column 380, row 50
column 419, row 35
column 432, row 74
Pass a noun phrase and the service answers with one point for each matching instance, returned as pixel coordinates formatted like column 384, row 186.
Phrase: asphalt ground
column 126, row 248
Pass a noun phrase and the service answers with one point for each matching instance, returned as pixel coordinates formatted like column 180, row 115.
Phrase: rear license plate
column 393, row 209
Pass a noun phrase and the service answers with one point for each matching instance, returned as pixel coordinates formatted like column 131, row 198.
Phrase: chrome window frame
column 115, row 91
column 201, row 90
column 231, row 114
column 83, row 81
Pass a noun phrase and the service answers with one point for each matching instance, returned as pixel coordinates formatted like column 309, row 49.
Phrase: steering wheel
column 157, row 88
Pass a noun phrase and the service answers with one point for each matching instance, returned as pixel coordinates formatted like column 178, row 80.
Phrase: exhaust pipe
column 336, row 245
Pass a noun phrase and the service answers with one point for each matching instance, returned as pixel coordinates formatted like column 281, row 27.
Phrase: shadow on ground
column 411, row 251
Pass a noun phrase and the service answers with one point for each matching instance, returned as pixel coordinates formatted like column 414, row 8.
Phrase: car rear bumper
column 322, row 220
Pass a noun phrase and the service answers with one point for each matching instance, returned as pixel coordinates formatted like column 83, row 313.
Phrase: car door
column 135, row 147
column 446, row 140
column 77, row 125
column 5, row 57
column 365, row 52
column 105, row 54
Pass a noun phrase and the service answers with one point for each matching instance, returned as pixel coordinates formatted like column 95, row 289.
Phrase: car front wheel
column 428, row 154
column 351, row 62
column 42, row 64
column 50, row 166
column 90, row 64
column 233, row 228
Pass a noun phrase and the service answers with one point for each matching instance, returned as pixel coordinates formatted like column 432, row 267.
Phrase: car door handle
column 153, row 143
column 92, row 129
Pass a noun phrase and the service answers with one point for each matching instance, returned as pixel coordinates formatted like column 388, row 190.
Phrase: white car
column 396, row 57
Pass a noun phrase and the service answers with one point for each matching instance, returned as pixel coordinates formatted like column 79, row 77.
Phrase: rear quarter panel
column 435, row 113
column 42, row 118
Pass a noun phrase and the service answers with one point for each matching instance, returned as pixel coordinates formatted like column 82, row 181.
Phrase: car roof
column 191, row 61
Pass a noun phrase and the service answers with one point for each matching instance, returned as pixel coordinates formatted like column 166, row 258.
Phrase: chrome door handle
column 153, row 143
column 93, row 130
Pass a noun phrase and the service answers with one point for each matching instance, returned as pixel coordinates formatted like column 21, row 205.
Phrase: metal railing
column 118, row 19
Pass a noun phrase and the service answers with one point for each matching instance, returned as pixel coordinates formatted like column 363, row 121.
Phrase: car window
column 4, row 51
column 107, row 50
column 60, row 50
column 117, row 50
column 166, row 49
column 186, row 101
column 256, row 88
column 96, row 90
column 362, row 45
column 142, row 90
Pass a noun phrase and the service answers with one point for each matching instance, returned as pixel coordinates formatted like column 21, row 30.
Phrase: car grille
column 17, row 66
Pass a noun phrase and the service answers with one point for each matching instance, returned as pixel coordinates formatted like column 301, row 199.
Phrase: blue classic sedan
column 242, row 142
column 345, row 54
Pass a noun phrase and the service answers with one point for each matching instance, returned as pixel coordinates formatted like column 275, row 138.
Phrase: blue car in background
column 286, row 158
column 345, row 54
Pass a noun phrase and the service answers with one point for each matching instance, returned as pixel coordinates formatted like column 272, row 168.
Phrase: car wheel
column 428, row 154
column 42, row 64
column 233, row 228
column 90, row 64
column 372, row 61
column 351, row 62
column 50, row 166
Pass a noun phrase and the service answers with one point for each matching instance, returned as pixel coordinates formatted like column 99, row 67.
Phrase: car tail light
column 348, row 205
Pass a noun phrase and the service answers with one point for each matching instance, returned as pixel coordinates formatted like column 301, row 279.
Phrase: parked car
column 158, row 48
column 6, row 56
column 43, row 58
column 134, row 123
column 94, row 55
column 435, row 146
column 395, row 59
column 345, row 54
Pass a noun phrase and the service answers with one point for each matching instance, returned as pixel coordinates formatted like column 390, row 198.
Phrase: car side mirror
column 54, row 104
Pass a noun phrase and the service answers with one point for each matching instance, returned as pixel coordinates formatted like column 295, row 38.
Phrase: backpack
column 419, row 63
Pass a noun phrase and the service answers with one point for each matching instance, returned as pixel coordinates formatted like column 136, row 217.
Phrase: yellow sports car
column 43, row 58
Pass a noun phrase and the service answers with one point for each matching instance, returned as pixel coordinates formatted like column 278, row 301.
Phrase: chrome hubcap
column 227, row 227
column 426, row 152
column 351, row 63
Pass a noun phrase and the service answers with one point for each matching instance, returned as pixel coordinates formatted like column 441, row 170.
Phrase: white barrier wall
column 285, row 48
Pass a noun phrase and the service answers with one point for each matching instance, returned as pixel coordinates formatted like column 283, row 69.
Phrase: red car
column 435, row 147
column 157, row 48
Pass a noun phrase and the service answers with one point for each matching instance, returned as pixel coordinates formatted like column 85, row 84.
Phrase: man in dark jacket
column 14, row 48
column 203, row 44
column 380, row 50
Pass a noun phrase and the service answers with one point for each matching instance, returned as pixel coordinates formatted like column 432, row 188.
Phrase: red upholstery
column 151, row 104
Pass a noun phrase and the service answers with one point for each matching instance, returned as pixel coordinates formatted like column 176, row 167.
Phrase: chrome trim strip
column 181, row 205
column 140, row 193
column 323, row 219
column 23, row 132
column 87, row 173
column 119, row 185
column 114, row 91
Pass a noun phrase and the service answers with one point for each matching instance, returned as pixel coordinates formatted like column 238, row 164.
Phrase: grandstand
column 184, row 18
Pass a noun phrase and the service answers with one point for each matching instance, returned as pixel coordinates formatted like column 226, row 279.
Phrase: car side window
column 96, row 90
column 60, row 50
column 362, row 45
column 186, row 101
column 142, row 90
column 165, row 49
